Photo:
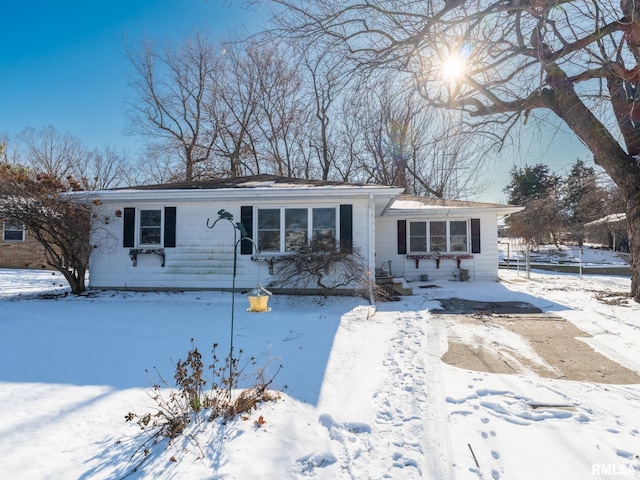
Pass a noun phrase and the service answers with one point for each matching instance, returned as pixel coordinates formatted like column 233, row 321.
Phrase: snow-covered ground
column 366, row 395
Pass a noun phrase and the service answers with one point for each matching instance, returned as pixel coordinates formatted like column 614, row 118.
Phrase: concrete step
column 395, row 286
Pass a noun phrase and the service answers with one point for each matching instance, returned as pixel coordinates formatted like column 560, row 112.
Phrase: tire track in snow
column 438, row 452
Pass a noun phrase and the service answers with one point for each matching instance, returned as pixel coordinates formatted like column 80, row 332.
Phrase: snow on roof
column 253, row 181
column 410, row 202
column 613, row 218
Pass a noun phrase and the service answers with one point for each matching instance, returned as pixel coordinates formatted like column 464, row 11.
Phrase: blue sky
column 62, row 63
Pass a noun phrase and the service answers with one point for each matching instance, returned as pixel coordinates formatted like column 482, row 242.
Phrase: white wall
column 203, row 257
column 483, row 266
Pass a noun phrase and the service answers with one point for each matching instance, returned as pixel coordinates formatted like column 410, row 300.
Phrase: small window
column 12, row 232
column 146, row 227
column 458, row 236
column 150, row 227
column 418, row 237
column 438, row 236
column 269, row 230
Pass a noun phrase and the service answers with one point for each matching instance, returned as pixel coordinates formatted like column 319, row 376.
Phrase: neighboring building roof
column 613, row 218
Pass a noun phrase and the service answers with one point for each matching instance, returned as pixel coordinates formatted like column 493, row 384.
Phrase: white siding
column 483, row 266
column 203, row 257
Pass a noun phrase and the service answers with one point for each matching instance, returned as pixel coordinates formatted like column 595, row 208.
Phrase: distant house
column 18, row 249
column 157, row 236
column 610, row 231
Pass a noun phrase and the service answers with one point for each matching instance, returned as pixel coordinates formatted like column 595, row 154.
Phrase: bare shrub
column 191, row 402
column 317, row 266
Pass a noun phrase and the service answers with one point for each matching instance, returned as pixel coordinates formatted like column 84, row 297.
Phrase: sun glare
column 453, row 67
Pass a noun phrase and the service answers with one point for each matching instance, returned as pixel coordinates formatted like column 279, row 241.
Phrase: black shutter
column 402, row 237
column 129, row 231
column 346, row 228
column 169, row 226
column 246, row 218
column 475, row 235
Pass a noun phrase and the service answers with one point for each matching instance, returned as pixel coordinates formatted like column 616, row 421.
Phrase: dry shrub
column 190, row 401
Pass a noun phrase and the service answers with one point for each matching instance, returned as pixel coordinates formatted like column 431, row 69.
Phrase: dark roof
column 252, row 181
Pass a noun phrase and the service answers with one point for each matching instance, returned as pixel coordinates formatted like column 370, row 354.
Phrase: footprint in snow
column 316, row 460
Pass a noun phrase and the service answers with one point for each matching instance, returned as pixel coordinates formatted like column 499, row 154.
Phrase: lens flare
column 453, row 67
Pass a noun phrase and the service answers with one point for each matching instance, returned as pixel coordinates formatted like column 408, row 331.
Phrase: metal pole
column 233, row 304
column 237, row 226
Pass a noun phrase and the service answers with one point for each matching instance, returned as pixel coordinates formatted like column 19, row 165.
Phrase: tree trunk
column 619, row 165
column 75, row 278
column 633, row 222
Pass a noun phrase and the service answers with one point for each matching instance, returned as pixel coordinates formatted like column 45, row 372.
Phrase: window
column 269, row 230
column 437, row 236
column 296, row 224
column 418, row 237
column 147, row 227
column 324, row 227
column 150, row 227
column 290, row 229
column 458, row 236
column 12, row 232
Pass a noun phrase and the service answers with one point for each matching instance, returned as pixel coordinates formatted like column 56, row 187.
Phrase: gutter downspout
column 371, row 246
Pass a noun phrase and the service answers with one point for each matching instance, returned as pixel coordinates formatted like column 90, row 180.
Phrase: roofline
column 240, row 193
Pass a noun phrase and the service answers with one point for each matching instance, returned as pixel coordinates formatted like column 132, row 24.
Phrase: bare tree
column 327, row 80
column 502, row 61
column 8, row 154
column 62, row 155
column 100, row 169
column 406, row 143
column 282, row 119
column 172, row 98
column 235, row 109
column 49, row 151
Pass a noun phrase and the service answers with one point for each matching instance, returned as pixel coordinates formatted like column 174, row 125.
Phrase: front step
column 394, row 286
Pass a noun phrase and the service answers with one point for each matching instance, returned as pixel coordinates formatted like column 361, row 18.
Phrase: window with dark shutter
column 346, row 228
column 475, row 235
column 170, row 226
column 246, row 218
column 129, row 229
column 402, row 237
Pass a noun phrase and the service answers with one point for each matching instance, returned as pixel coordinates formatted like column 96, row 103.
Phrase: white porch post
column 371, row 246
